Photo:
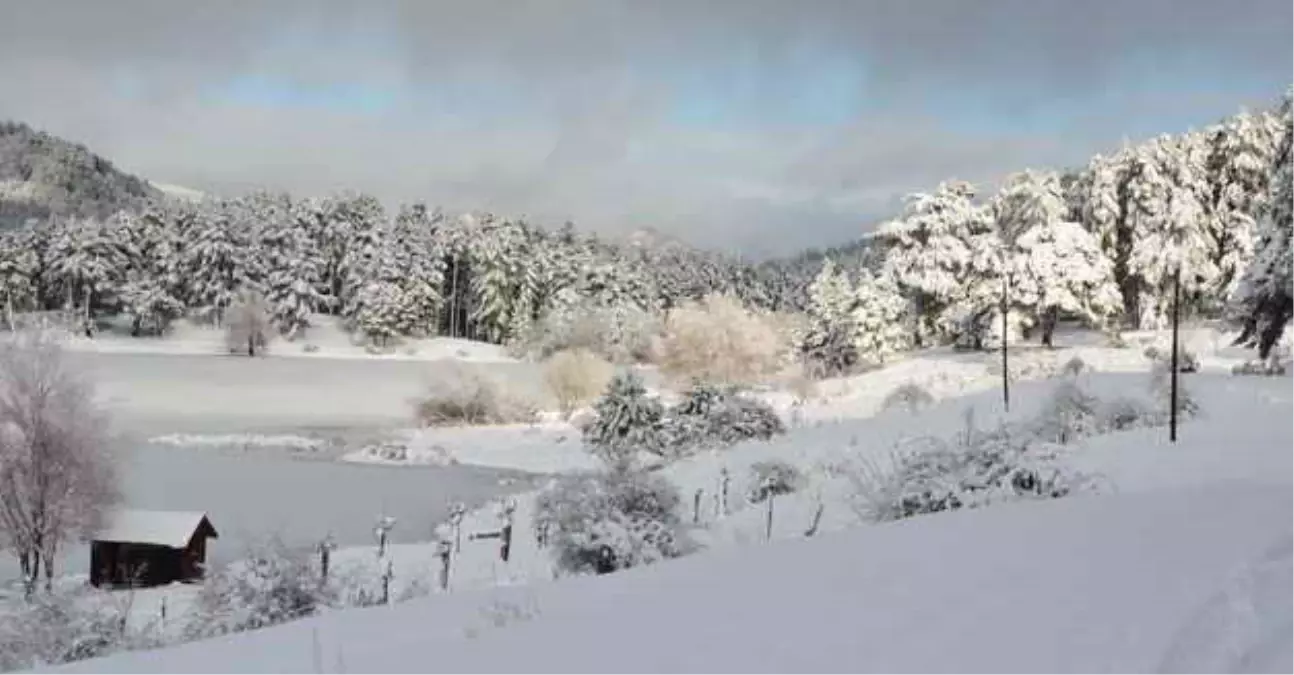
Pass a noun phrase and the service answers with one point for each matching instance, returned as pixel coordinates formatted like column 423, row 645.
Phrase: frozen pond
column 251, row 495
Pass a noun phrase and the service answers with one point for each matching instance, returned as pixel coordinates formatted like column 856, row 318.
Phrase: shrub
column 1124, row 412
column 1069, row 413
column 773, row 478
column 628, row 421
column 576, row 377
column 719, row 341
column 610, row 521
column 1161, row 391
column 1272, row 366
column 272, row 586
column 1026, row 366
column 910, row 397
column 466, row 396
column 247, row 323
column 1075, row 366
column 972, row 471
column 713, row 417
column 1161, row 356
column 66, row 626
column 620, row 333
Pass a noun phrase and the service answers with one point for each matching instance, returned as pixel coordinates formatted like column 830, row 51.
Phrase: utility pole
column 1177, row 303
column 1006, row 377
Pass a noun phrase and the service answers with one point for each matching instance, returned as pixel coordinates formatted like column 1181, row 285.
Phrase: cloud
column 758, row 124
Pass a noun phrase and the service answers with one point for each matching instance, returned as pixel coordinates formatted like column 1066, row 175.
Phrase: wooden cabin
column 150, row 548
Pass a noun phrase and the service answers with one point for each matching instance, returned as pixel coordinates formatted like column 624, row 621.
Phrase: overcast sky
column 758, row 125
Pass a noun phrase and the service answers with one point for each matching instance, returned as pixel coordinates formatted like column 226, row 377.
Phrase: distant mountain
column 179, row 191
column 42, row 175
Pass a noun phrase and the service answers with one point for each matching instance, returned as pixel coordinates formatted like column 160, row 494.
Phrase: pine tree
column 292, row 269
column 88, row 262
column 627, row 422
column 1056, row 265
column 829, row 343
column 212, row 261
column 927, row 253
column 878, row 318
column 1264, row 299
column 1240, row 155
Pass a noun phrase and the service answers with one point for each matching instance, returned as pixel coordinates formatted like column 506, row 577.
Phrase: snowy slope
column 1134, row 582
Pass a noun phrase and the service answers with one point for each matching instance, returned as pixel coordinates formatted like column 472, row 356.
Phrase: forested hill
column 42, row 175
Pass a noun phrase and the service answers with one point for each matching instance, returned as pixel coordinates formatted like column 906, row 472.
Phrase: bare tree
column 248, row 323
column 57, row 477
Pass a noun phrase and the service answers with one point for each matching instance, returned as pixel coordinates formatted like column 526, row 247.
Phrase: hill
column 42, row 175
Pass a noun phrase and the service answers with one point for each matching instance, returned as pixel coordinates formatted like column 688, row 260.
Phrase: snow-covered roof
column 161, row 528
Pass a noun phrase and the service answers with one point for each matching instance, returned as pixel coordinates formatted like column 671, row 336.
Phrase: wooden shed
column 150, row 548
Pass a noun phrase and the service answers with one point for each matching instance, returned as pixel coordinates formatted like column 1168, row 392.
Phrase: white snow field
column 1181, row 562
column 1123, row 583
column 326, row 338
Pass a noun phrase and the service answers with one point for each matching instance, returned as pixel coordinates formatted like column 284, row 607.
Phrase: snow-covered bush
column 576, row 377
column 247, row 324
column 976, row 469
column 910, row 397
column 1271, row 366
column 1125, row 412
column 65, row 626
column 628, row 422
column 711, row 417
column 717, row 340
column 1160, row 356
column 1030, row 365
column 610, row 521
column 771, row 478
column 468, row 397
column 272, row 586
column 1161, row 392
column 620, row 332
column 1069, row 413
column 1075, row 366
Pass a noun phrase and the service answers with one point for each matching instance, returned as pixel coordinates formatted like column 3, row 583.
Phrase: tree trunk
column 1049, row 319
column 251, row 343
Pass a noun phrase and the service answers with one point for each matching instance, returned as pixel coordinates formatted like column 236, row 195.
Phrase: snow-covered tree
column 88, row 262
column 1167, row 224
column 213, row 261
column 927, row 252
column 421, row 268
column 878, row 318
column 1264, row 299
column 57, row 473
column 829, row 340
column 18, row 270
column 1240, row 156
column 1056, row 266
column 627, row 422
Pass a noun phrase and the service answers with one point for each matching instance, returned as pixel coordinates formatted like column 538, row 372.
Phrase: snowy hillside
column 1179, row 562
column 1194, row 579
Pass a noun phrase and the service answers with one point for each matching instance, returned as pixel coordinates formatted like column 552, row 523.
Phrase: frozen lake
column 254, row 494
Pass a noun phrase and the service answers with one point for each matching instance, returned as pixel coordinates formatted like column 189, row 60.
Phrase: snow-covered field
column 326, row 338
column 1180, row 562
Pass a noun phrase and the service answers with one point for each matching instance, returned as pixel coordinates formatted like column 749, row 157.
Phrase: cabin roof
column 173, row 529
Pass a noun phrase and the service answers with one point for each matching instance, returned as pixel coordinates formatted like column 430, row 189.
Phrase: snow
column 324, row 339
column 1173, row 567
column 546, row 447
column 1083, row 585
column 163, row 528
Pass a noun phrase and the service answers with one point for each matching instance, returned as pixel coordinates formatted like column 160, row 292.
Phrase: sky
column 755, row 126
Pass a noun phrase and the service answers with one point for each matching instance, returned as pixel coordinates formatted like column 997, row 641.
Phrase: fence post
column 456, row 513
column 817, row 519
column 724, row 480
column 445, row 551
column 768, row 526
column 326, row 547
column 505, row 548
column 387, row 573
column 384, row 525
